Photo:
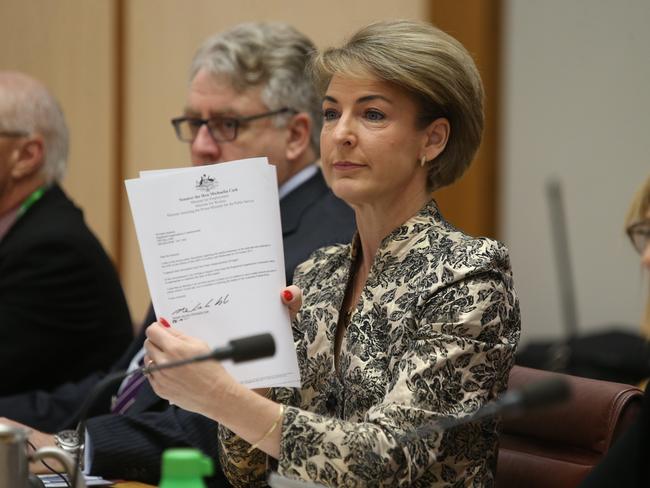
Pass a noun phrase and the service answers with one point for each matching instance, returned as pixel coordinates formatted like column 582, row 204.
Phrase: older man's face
column 215, row 97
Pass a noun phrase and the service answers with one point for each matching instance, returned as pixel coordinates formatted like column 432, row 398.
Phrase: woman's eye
column 329, row 114
column 374, row 115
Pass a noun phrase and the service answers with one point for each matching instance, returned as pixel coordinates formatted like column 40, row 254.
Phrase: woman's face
column 370, row 145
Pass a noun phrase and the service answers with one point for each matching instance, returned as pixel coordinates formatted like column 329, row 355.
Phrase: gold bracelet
column 270, row 431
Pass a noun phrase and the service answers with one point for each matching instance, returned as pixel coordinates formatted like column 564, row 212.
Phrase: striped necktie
column 128, row 390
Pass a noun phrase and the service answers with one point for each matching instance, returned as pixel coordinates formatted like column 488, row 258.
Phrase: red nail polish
column 288, row 296
column 164, row 322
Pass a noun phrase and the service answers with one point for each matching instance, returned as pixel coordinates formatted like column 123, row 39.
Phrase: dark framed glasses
column 639, row 235
column 222, row 129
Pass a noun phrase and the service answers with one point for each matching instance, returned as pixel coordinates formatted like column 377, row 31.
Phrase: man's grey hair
column 273, row 55
column 26, row 105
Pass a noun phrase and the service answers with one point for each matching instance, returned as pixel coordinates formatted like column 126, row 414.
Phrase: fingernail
column 288, row 296
column 164, row 322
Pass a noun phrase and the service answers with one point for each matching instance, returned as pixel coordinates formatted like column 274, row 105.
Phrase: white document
column 211, row 244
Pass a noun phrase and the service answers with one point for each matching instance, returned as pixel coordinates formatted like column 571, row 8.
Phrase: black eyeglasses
column 222, row 129
column 14, row 133
column 639, row 234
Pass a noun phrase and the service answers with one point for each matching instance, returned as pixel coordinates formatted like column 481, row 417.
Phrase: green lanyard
column 29, row 201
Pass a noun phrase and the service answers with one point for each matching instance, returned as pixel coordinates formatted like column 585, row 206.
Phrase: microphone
column 238, row 350
column 244, row 349
column 543, row 393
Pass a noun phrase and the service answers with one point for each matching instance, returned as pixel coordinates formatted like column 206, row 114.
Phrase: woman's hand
column 196, row 387
column 292, row 298
column 207, row 388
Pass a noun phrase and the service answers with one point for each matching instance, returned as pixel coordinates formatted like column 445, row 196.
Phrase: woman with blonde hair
column 412, row 323
column 637, row 225
column 626, row 463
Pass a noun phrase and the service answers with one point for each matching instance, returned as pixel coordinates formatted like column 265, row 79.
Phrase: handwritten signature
column 211, row 303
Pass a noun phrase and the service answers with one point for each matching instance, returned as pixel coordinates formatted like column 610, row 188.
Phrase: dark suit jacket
column 312, row 217
column 130, row 446
column 63, row 314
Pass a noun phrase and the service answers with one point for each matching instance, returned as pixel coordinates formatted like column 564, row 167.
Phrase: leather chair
column 558, row 446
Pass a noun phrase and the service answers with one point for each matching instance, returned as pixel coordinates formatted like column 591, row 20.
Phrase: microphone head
column 545, row 392
column 252, row 347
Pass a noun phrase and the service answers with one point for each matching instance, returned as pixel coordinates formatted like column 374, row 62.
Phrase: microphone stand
column 543, row 393
column 98, row 388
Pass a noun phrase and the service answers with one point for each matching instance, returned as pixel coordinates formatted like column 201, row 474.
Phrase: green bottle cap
column 184, row 468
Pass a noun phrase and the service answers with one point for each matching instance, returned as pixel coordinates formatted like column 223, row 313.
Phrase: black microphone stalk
column 238, row 350
column 539, row 394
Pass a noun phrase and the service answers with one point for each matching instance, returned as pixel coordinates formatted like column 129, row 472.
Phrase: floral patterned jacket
column 433, row 336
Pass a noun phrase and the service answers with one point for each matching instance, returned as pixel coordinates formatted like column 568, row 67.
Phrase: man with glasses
column 63, row 313
column 248, row 97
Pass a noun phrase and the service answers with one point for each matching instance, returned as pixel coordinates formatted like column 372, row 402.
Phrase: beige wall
column 577, row 108
column 68, row 45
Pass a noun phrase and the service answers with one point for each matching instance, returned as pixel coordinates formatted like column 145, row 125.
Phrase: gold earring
column 423, row 161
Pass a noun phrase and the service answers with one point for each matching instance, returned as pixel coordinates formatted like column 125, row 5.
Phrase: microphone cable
column 52, row 470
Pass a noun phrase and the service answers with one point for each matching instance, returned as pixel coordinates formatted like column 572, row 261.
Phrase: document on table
column 211, row 244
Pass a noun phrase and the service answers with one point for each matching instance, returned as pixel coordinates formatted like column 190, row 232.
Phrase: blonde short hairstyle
column 430, row 65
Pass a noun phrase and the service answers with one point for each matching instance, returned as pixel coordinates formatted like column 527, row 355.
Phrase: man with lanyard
column 59, row 291
column 248, row 96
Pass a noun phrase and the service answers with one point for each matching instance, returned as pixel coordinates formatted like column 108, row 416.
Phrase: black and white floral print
column 433, row 336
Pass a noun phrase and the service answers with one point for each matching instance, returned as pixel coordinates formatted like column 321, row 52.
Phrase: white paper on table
column 211, row 244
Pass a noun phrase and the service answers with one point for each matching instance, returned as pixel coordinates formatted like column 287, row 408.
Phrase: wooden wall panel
column 68, row 44
column 471, row 203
